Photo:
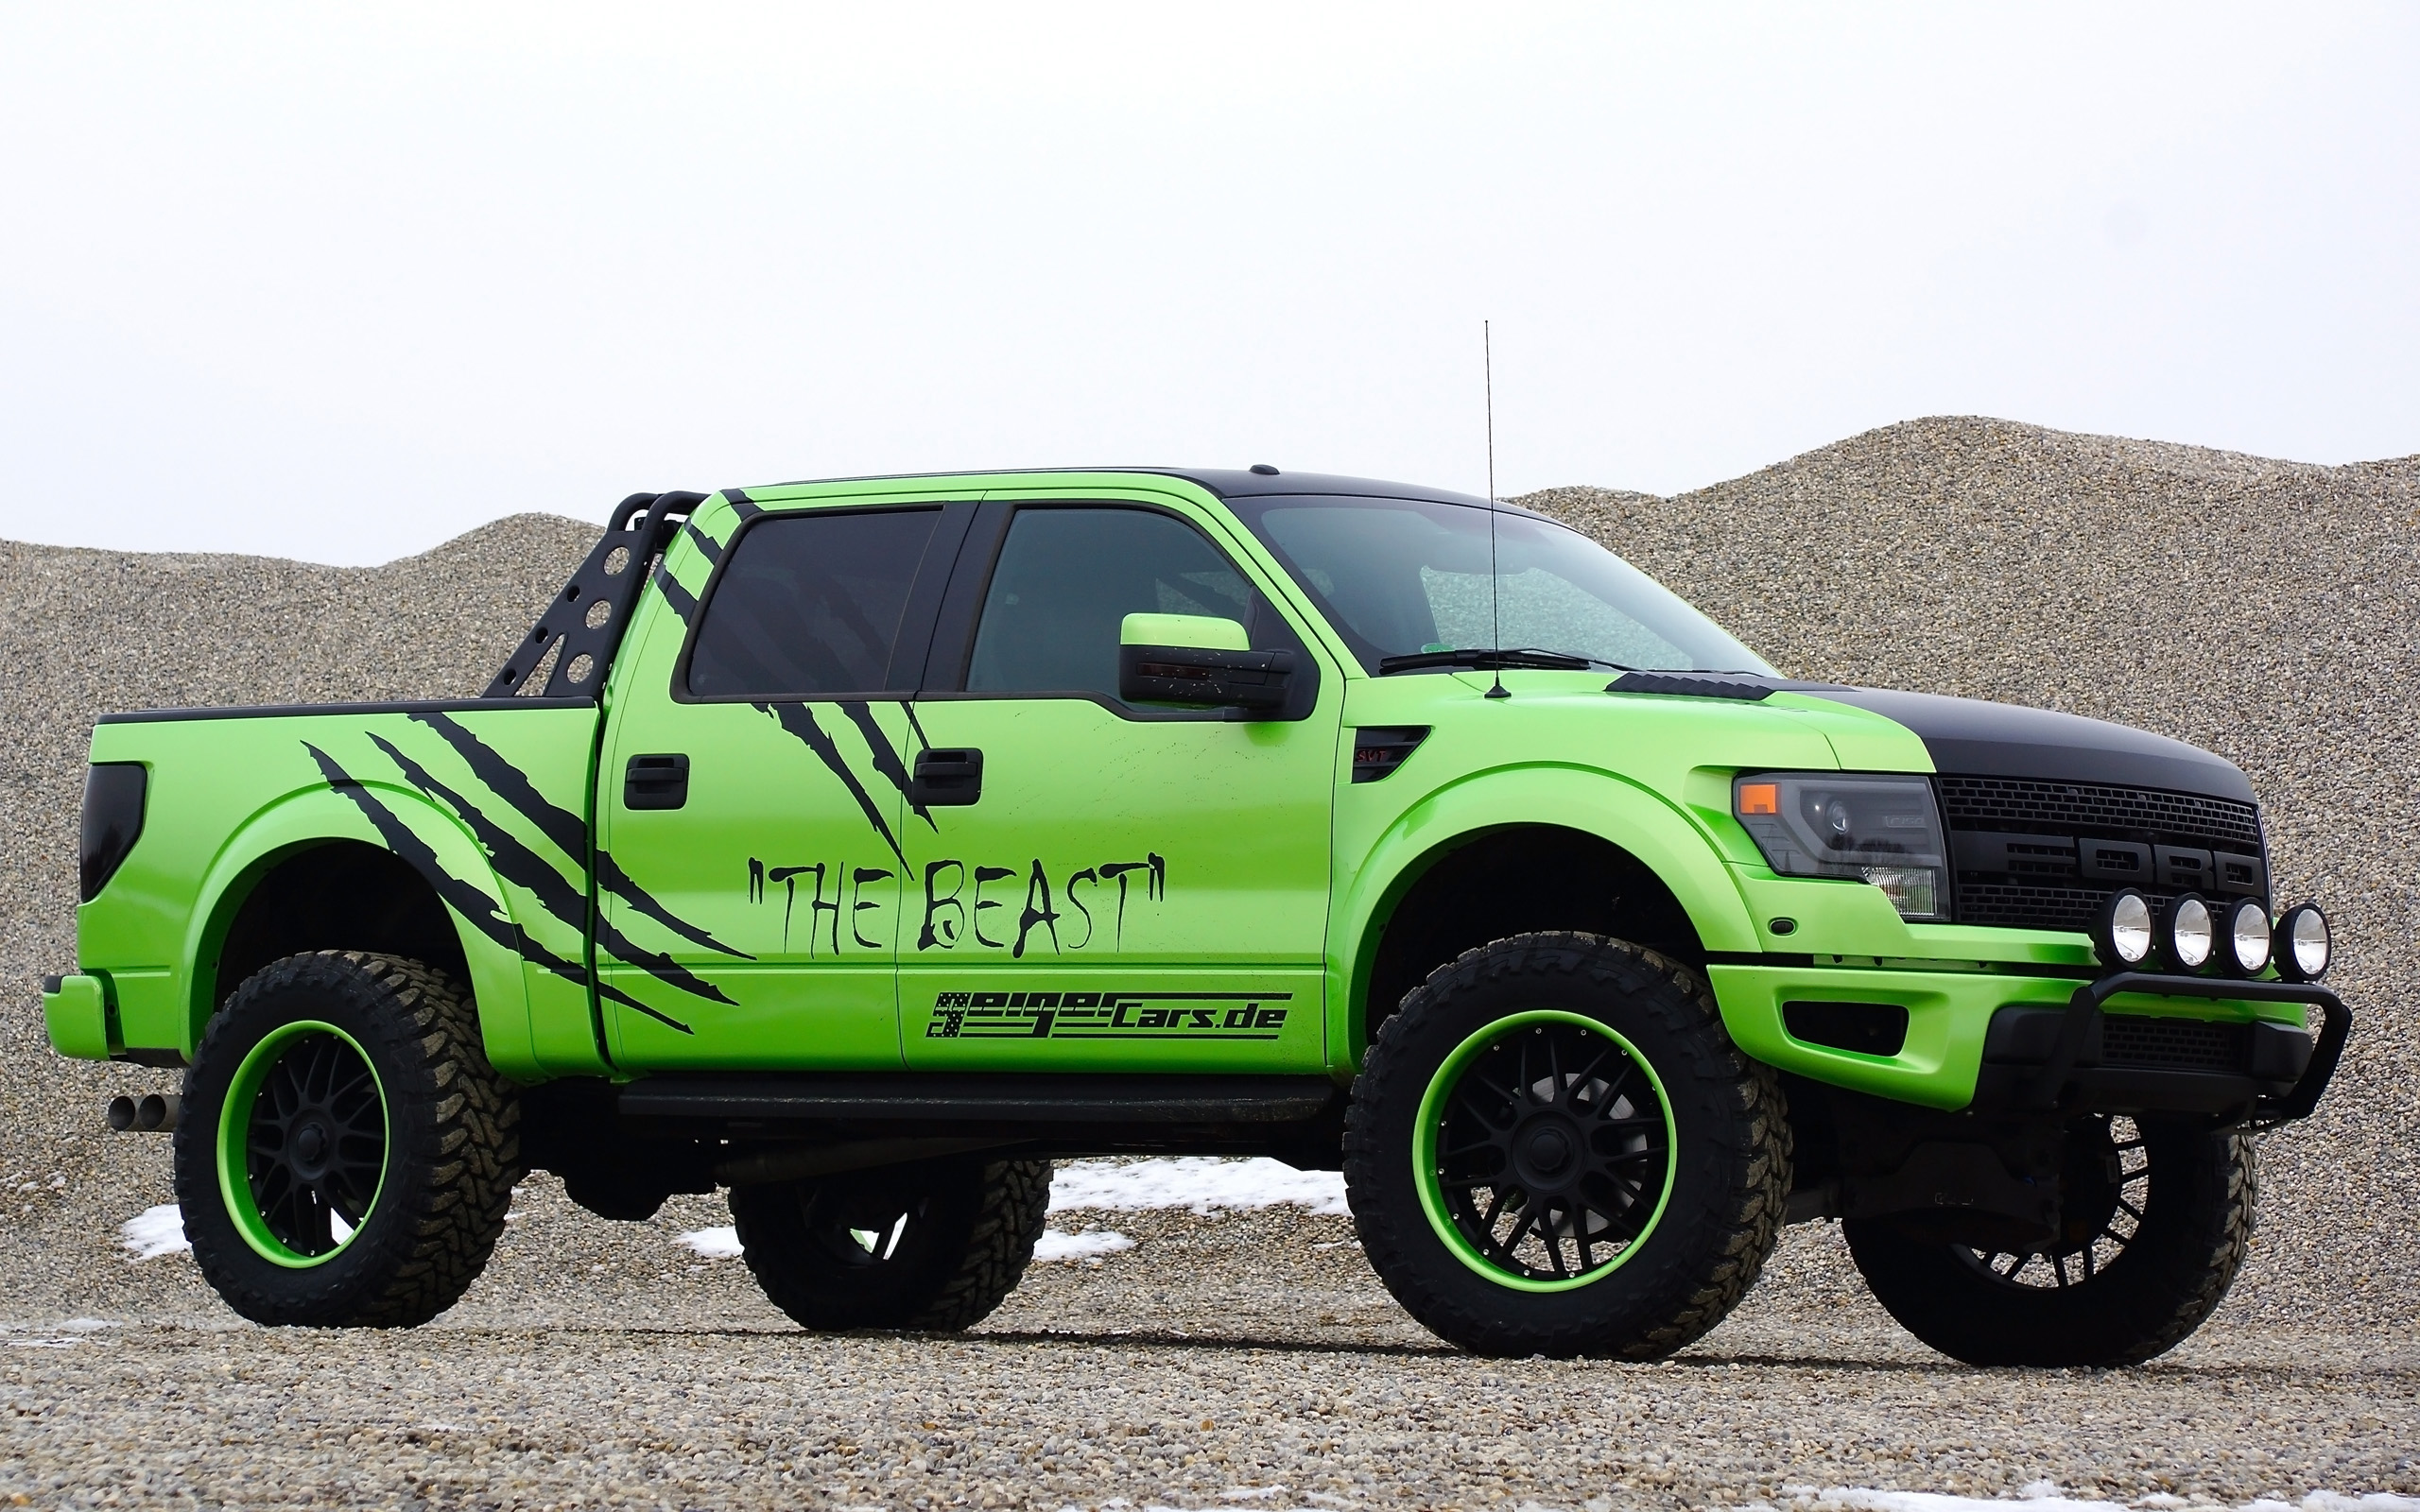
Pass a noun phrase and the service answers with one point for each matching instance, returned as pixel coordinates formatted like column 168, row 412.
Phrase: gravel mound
column 2264, row 609
column 84, row 633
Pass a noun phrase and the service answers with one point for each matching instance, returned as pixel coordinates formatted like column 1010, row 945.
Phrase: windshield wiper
column 1487, row 659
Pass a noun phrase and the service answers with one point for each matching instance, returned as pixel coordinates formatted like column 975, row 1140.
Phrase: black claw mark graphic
column 684, row 602
column 886, row 759
column 526, row 868
column 485, row 914
column 568, row 831
column 705, row 542
column 741, row 504
column 795, row 718
column 611, row 877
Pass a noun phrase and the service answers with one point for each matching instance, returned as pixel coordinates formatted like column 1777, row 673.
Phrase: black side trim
column 978, row 1097
column 1378, row 749
column 307, row 710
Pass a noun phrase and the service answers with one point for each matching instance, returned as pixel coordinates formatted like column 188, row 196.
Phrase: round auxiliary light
column 2243, row 937
column 2189, row 932
column 2121, row 933
column 2303, row 944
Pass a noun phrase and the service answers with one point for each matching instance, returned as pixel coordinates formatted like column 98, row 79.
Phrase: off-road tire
column 2170, row 1275
column 452, row 1145
column 969, row 1234
column 1730, row 1136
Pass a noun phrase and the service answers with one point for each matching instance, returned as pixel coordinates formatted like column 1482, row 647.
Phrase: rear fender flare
column 1588, row 800
column 452, row 863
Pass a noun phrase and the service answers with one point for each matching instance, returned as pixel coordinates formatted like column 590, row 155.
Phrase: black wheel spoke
column 315, row 1142
column 1554, row 1133
column 1587, row 1074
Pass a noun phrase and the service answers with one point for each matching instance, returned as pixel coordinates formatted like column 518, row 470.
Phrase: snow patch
column 1089, row 1246
column 155, row 1231
column 714, row 1244
column 1203, row 1184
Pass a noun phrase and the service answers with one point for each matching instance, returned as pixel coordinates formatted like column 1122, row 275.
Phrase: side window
column 1067, row 579
column 809, row 606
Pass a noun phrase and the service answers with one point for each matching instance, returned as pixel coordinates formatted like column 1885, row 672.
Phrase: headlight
column 2303, row 943
column 2189, row 933
column 2244, row 934
column 1881, row 830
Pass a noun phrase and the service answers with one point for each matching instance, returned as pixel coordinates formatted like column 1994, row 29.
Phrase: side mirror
column 1197, row 660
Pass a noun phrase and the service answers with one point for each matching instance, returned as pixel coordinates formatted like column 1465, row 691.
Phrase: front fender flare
column 444, row 855
column 1589, row 800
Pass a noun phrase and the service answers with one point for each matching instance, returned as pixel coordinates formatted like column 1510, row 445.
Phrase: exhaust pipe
column 153, row 1113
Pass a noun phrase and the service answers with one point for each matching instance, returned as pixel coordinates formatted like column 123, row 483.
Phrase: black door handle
column 947, row 778
column 655, row 782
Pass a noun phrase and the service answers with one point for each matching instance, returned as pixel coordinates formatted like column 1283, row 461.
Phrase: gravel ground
column 602, row 1364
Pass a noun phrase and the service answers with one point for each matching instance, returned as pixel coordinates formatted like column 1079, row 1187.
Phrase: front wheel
column 2154, row 1220
column 1554, row 1148
column 932, row 1247
column 345, row 1155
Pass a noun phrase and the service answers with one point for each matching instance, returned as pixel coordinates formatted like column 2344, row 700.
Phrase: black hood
column 1969, row 737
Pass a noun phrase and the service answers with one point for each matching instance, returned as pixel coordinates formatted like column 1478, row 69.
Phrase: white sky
column 341, row 282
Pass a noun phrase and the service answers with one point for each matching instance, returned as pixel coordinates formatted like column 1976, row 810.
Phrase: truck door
column 1094, row 884
column 752, row 794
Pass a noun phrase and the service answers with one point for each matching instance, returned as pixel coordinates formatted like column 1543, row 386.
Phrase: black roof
column 1248, row 485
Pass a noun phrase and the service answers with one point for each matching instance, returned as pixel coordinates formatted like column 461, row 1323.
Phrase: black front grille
column 2024, row 806
column 2017, row 856
column 2173, row 1044
column 2015, row 905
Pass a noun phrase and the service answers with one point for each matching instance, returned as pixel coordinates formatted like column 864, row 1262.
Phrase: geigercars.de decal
column 1107, row 1015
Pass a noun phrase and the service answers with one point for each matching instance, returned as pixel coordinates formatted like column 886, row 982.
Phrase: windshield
column 1401, row 576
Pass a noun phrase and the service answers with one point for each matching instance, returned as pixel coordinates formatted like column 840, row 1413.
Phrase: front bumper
column 2271, row 1072
column 2003, row 1043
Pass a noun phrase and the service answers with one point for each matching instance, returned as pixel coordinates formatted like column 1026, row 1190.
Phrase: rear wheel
column 1555, row 1149
column 2154, row 1220
column 344, row 1156
column 931, row 1247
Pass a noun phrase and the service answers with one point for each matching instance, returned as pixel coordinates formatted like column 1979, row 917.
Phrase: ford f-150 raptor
column 861, row 847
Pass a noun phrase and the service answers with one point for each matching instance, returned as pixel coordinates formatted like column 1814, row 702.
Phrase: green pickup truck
column 861, row 847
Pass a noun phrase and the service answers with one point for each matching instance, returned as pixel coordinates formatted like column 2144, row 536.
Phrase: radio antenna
column 1494, row 584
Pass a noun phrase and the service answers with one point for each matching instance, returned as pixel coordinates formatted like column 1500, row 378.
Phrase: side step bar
column 993, row 1097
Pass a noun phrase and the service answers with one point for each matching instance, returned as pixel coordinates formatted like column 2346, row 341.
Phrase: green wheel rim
column 1558, row 1126
column 302, row 1143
